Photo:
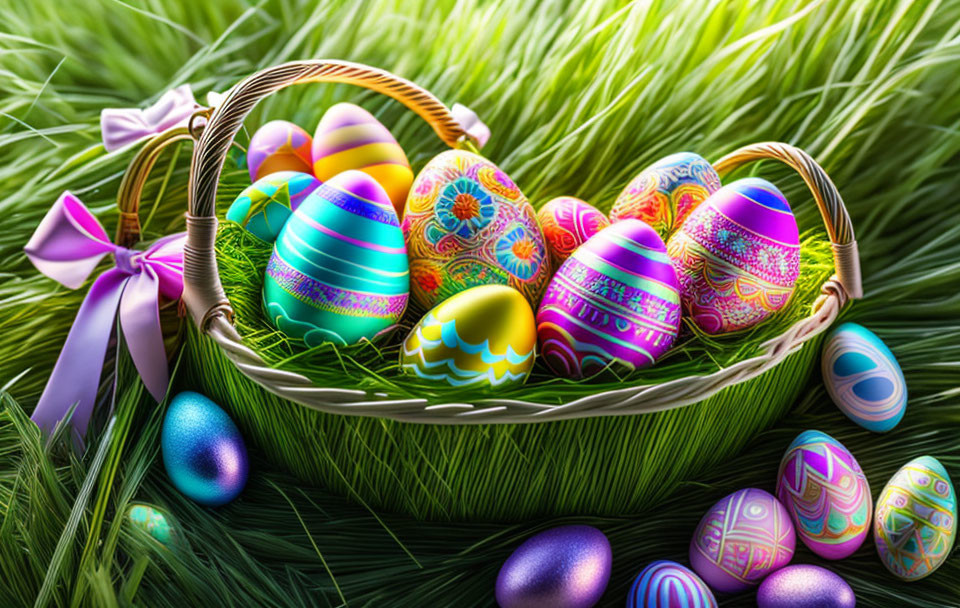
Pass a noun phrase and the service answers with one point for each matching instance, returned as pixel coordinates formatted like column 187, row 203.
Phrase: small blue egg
column 203, row 452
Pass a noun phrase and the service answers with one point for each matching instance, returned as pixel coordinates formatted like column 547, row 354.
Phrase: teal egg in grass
column 154, row 523
column 339, row 270
column 264, row 206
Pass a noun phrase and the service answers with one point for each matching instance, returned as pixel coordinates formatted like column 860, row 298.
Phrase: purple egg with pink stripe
column 614, row 303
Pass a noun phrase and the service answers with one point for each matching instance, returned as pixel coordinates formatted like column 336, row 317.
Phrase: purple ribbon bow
column 122, row 126
column 66, row 247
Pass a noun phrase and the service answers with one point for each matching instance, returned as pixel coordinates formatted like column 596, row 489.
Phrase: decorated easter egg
column 203, row 452
column 615, row 301
column 863, row 378
column 665, row 584
column 916, row 519
column 153, row 522
column 279, row 146
column 349, row 137
column 264, row 207
column 741, row 539
column 737, row 256
column 805, row 586
column 467, row 224
column 826, row 493
column 338, row 272
column 484, row 336
column 564, row 567
column 664, row 194
column 567, row 223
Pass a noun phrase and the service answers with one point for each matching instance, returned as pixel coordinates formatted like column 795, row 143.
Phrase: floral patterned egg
column 916, row 520
column 737, row 256
column 666, row 584
column 822, row 486
column 483, row 336
column 741, row 539
column 567, row 223
column 467, row 224
column 664, row 194
column 264, row 207
column 863, row 378
column 615, row 301
column 279, row 146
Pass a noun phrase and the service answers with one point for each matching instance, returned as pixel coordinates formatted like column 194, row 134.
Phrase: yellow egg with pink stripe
column 348, row 137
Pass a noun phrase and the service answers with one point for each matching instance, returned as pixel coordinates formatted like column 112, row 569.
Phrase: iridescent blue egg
column 203, row 452
column 666, row 584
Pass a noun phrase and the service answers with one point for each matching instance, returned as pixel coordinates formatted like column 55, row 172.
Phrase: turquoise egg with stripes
column 265, row 206
column 339, row 270
column 863, row 378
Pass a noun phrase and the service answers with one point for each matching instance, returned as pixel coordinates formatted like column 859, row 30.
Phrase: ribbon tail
column 140, row 321
column 76, row 375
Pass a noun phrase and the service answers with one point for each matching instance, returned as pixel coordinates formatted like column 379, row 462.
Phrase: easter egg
column 153, row 522
column 484, row 336
column 665, row 584
column 564, row 567
column 278, row 146
column 338, row 272
column 805, row 586
column 349, row 137
column 664, row 194
column 567, row 223
column 826, row 493
column 467, row 224
column 863, row 378
column 614, row 301
column 741, row 539
column 203, row 452
column 737, row 256
column 264, row 207
column 916, row 519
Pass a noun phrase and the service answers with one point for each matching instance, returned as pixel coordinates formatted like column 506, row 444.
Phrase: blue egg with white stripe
column 863, row 378
column 666, row 584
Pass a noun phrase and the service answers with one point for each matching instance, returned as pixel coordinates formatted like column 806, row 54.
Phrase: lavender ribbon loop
column 123, row 126
column 66, row 246
column 471, row 124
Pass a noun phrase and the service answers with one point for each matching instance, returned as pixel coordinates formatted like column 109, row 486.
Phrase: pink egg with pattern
column 567, row 223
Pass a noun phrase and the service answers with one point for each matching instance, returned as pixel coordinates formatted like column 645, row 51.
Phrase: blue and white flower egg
column 265, row 206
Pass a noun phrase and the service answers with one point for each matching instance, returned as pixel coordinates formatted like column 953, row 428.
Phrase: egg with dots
column 567, row 223
column 279, row 145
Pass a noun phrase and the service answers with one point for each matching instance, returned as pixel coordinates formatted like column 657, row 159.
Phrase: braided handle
column 839, row 227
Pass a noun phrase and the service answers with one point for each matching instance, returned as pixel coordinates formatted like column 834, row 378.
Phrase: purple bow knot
column 122, row 126
column 67, row 246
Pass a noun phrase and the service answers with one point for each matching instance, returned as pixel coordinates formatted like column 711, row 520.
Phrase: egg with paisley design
column 567, row 223
column 264, row 206
column 279, row 145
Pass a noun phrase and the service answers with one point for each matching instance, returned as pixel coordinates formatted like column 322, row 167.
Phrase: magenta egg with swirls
column 567, row 223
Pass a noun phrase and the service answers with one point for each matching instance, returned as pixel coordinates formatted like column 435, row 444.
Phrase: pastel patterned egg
column 805, row 586
column 153, row 522
column 567, row 223
column 467, row 224
column 863, row 378
column 279, row 146
column 916, row 520
column 338, row 272
column 666, row 584
column 349, row 137
column 564, row 567
column 741, row 539
column 822, row 486
column 664, row 194
column 264, row 207
column 737, row 256
column 203, row 452
column 483, row 336
column 615, row 301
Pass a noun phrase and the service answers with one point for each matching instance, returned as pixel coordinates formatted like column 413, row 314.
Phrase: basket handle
column 846, row 256
column 203, row 292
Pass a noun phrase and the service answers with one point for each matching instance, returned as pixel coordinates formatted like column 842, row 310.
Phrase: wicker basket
column 210, row 308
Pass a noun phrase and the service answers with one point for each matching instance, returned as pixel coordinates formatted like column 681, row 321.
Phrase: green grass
column 580, row 97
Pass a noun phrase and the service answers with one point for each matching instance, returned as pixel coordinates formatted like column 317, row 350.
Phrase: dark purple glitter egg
column 805, row 586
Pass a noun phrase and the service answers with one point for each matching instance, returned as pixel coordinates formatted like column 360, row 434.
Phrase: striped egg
column 264, row 207
column 916, row 519
column 567, row 223
column 737, row 256
column 484, row 336
column 349, row 137
column 863, row 378
column 822, row 486
column 278, row 146
column 664, row 194
column 615, row 301
column 338, row 272
column 666, row 584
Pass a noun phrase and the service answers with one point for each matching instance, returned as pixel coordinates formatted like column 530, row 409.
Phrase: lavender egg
column 805, row 586
column 203, row 452
column 665, row 584
column 279, row 146
column 564, row 567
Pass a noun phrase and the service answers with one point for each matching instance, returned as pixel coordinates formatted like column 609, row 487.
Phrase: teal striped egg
column 339, row 270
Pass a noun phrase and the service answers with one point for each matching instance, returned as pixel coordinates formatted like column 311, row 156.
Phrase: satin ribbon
column 120, row 127
column 67, row 246
column 471, row 124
